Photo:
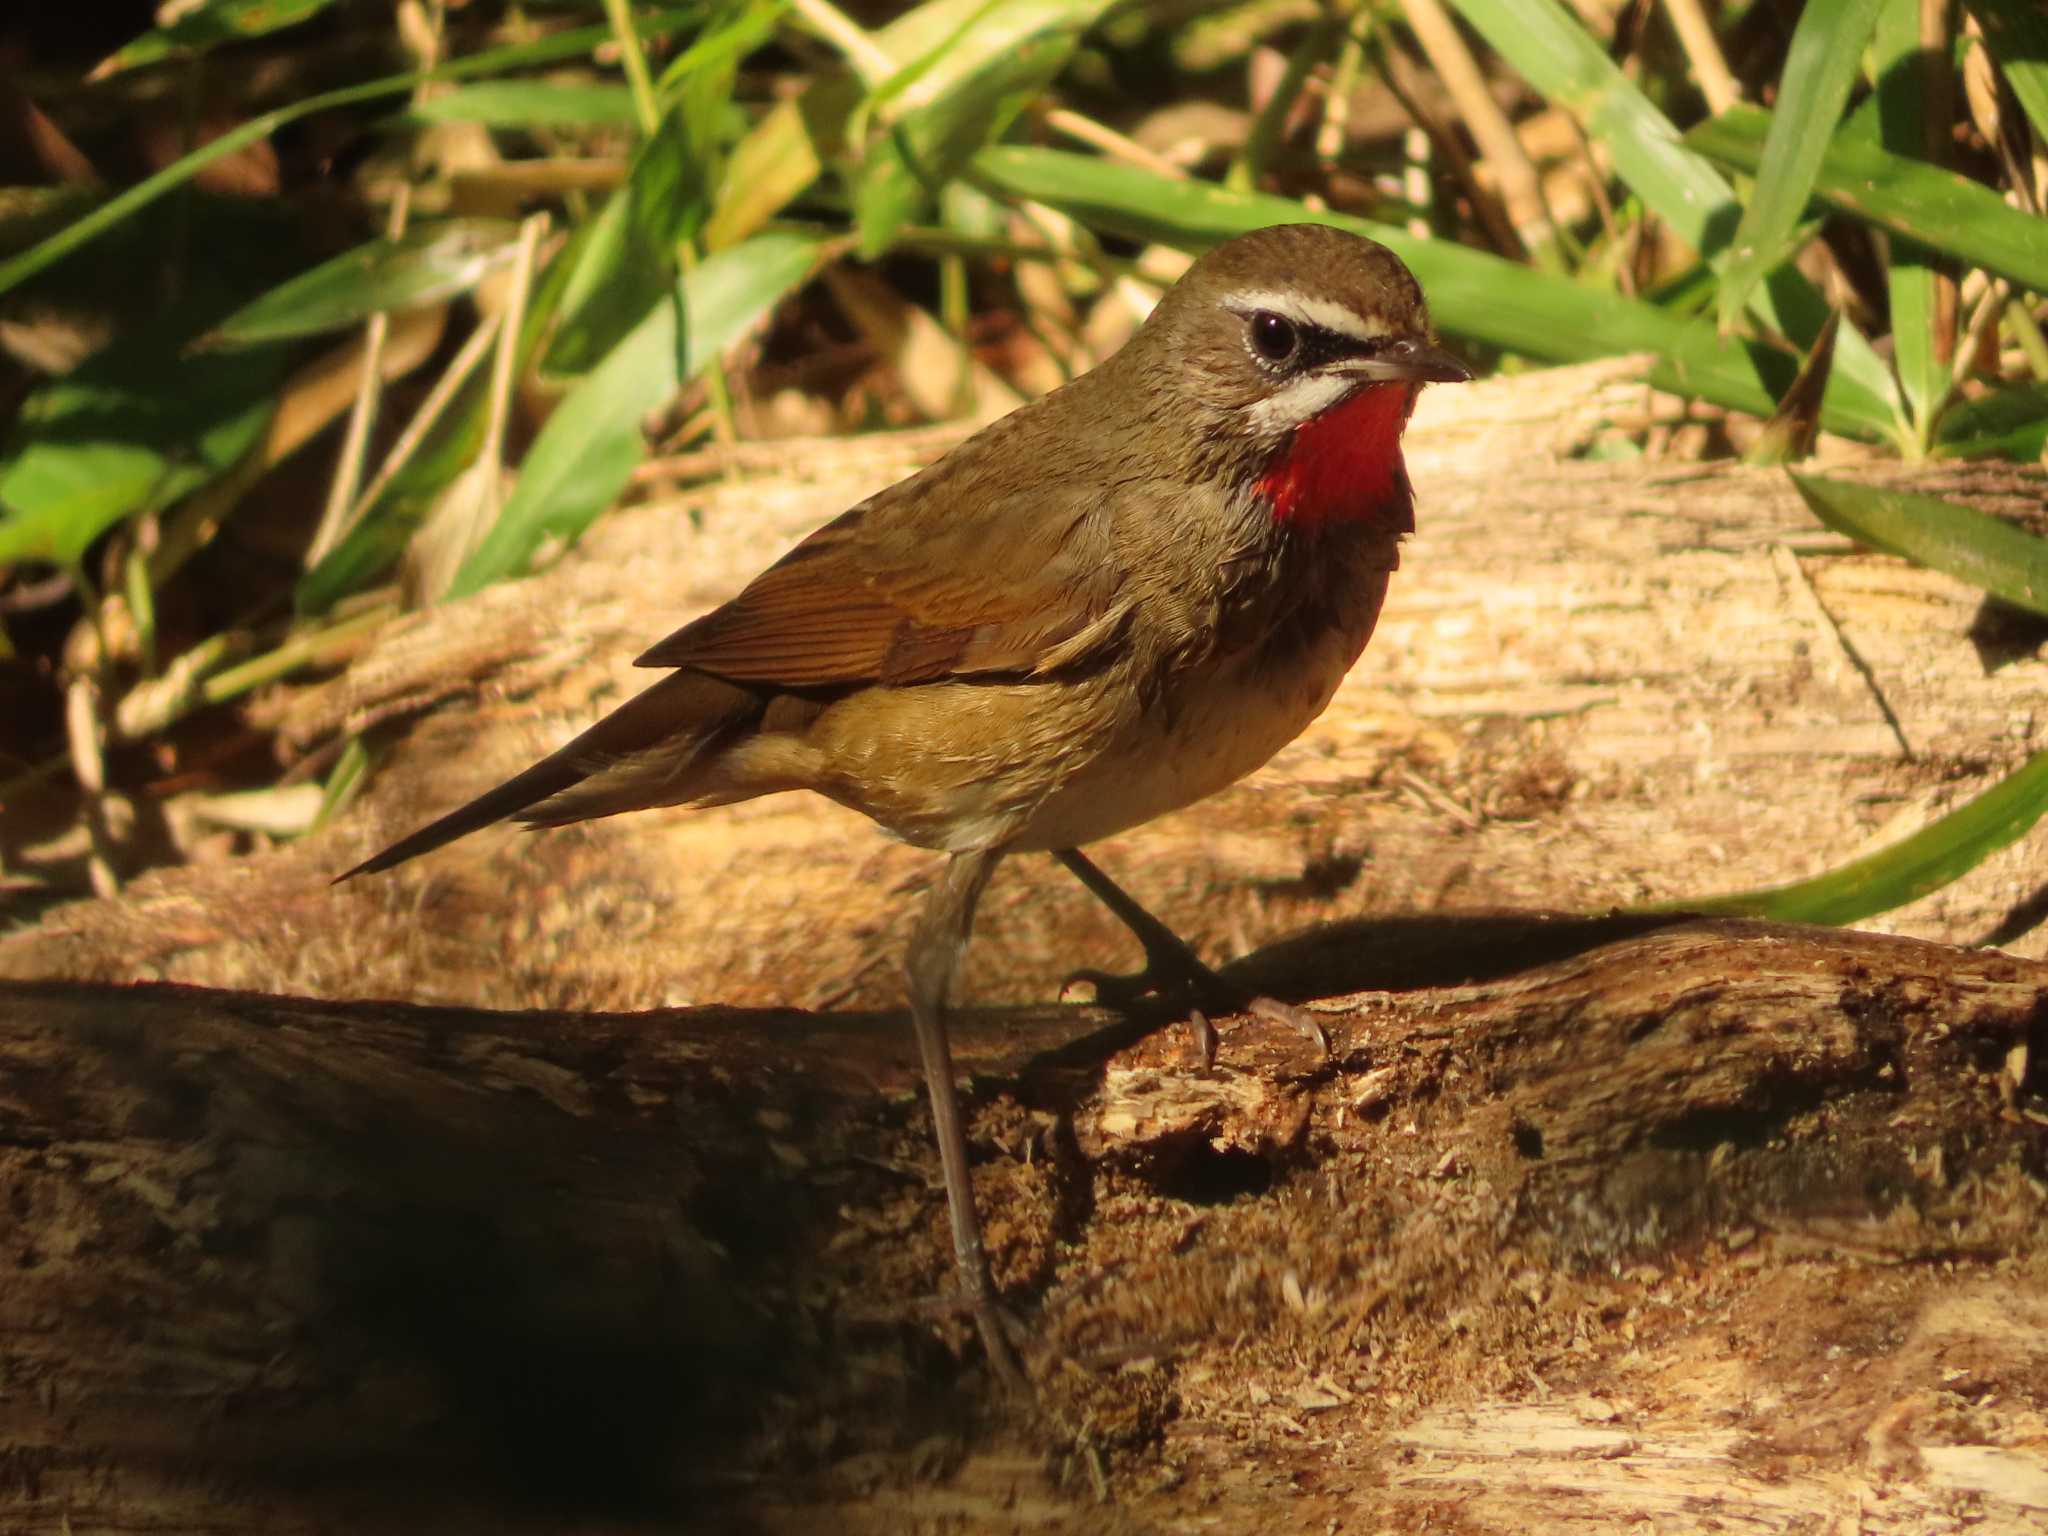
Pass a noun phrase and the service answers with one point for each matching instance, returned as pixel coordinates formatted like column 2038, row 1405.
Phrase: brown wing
column 880, row 595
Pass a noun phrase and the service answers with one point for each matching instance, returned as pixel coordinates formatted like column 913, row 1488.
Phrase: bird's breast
column 1208, row 726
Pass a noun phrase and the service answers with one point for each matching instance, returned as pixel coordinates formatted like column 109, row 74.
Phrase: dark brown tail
column 689, row 708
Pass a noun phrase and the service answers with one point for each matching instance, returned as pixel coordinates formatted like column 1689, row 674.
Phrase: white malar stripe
column 1302, row 400
column 1304, row 310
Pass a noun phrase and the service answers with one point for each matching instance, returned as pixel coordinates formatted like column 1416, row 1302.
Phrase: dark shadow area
column 2021, row 919
column 1391, row 954
column 1398, row 954
column 2003, row 634
column 535, row 1302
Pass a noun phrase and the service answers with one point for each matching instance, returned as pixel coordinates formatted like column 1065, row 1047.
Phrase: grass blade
column 912, row 161
column 1827, row 47
column 529, row 104
column 429, row 263
column 1914, row 284
column 2005, row 561
column 789, row 148
column 1937, row 854
column 1938, row 208
column 587, row 451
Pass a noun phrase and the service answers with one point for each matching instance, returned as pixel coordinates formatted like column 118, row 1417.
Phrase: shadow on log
column 285, row 1265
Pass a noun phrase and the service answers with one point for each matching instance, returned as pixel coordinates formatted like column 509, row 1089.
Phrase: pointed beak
column 1412, row 361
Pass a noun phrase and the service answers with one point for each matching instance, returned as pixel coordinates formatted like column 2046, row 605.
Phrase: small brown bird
column 1113, row 602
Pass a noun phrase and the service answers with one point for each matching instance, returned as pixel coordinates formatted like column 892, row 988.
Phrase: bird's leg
column 1168, row 959
column 936, row 946
column 1171, row 964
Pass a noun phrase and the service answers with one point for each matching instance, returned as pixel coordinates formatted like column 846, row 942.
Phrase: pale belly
column 1229, row 726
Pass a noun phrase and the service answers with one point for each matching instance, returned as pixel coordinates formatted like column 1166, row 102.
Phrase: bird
column 1109, row 604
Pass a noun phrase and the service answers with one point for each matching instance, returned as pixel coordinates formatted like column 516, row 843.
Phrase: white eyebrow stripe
column 1303, row 310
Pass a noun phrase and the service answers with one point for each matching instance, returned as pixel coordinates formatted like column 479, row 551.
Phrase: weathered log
column 1581, row 1224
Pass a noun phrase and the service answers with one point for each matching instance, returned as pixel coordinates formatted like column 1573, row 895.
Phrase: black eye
column 1273, row 336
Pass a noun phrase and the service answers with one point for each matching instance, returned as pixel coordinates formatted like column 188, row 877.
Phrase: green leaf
column 623, row 262
column 1812, row 90
column 2011, row 423
column 919, row 155
column 1938, row 208
column 2017, row 34
column 2005, row 561
column 208, row 25
column 1471, row 293
column 1944, row 851
column 135, row 426
column 547, row 50
column 610, row 282
column 529, row 104
column 586, row 453
column 665, row 191
column 429, row 263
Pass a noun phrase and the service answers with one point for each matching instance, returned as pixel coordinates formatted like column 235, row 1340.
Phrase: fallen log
column 1579, row 1224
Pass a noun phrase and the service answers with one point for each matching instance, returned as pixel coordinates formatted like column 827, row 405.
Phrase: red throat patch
column 1345, row 465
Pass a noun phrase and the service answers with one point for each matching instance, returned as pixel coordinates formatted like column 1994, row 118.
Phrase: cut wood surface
column 1594, row 684
column 1581, row 1226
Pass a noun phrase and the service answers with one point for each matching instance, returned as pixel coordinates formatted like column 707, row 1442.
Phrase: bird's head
column 1294, row 354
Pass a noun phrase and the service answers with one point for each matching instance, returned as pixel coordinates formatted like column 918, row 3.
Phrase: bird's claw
column 998, row 1327
column 1204, row 994
column 1273, row 1011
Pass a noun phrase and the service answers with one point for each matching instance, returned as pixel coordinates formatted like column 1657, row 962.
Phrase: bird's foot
column 1185, row 980
column 997, row 1326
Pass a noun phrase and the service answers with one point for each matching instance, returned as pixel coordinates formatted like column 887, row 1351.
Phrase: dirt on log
column 1581, row 1225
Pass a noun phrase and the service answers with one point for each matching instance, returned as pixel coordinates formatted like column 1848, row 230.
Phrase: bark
column 1691, row 1221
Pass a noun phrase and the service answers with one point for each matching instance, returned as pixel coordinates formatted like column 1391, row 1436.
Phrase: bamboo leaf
column 2005, row 561
column 1814, row 87
column 1931, row 858
column 1938, row 208
column 431, row 262
column 587, row 451
column 1471, row 293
